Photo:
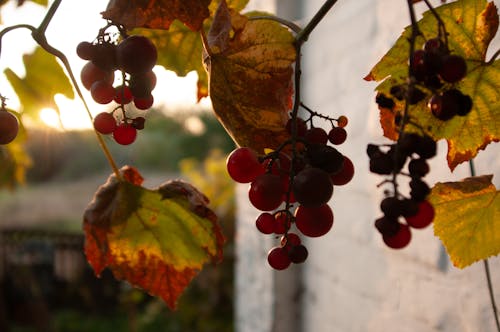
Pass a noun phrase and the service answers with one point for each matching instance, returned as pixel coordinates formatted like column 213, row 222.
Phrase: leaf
column 467, row 219
column 471, row 26
column 155, row 239
column 157, row 14
column 249, row 63
column 43, row 80
column 180, row 48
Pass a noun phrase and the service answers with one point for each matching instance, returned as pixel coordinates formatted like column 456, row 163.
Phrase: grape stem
column 487, row 268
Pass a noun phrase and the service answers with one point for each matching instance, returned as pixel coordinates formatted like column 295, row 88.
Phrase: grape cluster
column 134, row 57
column 296, row 181
column 411, row 150
column 9, row 125
column 436, row 72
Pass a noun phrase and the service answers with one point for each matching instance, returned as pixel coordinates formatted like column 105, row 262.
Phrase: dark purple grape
column 384, row 102
column 453, row 69
column 312, row 187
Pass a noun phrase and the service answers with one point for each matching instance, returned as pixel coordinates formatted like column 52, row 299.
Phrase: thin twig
column 320, row 14
column 48, row 16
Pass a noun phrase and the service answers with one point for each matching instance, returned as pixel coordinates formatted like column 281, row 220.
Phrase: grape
column 279, row 166
column 424, row 216
column 345, row 175
column 144, row 103
column 136, row 54
column 301, row 127
column 104, row 56
column 265, row 223
column 123, row 95
column 342, row 121
column 298, row 254
column 91, row 73
column 387, row 226
column 102, row 92
column 9, row 127
column 400, row 240
column 325, row 157
column 418, row 68
column 384, row 102
column 125, row 134
column 419, row 189
column 418, row 167
column 434, row 45
column 85, row 50
column 266, row 192
column 105, row 123
column 243, row 165
column 454, row 68
column 281, row 222
column 337, row 135
column 312, row 187
column 373, row 150
column 381, row 164
column 290, row 240
column 465, row 105
column 138, row 123
column 141, row 85
column 314, row 221
column 409, row 207
column 446, row 105
column 278, row 258
column 317, row 135
column 391, row 207
column 426, row 147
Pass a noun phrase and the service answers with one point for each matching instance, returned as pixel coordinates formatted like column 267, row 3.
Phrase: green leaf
column 471, row 26
column 155, row 239
column 43, row 80
column 467, row 219
column 180, row 48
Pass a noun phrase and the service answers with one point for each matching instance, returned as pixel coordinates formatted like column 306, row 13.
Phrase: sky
column 77, row 21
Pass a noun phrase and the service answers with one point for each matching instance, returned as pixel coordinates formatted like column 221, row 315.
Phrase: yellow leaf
column 467, row 219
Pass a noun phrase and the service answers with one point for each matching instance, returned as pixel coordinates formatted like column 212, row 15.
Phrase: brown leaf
column 157, row 14
column 250, row 74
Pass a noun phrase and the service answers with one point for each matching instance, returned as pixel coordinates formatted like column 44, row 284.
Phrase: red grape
column 301, row 127
column 9, row 127
column 102, row 92
column 345, row 175
column 289, row 240
column 424, row 216
column 317, row 135
column 266, row 192
column 400, row 240
column 105, row 123
column 123, row 95
column 125, row 134
column 281, row 222
column 265, row 223
column 337, row 135
column 278, row 258
column 314, row 221
column 91, row 73
column 85, row 50
column 243, row 165
column 312, row 187
column 136, row 54
column 144, row 103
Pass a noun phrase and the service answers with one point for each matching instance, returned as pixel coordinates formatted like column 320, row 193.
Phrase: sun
column 50, row 118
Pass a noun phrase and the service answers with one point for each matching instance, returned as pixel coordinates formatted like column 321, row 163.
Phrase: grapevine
column 293, row 178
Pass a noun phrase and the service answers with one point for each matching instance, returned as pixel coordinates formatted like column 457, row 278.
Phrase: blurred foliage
column 159, row 147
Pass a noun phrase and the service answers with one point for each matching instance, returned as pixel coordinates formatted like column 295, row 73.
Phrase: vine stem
column 303, row 35
column 38, row 35
column 487, row 268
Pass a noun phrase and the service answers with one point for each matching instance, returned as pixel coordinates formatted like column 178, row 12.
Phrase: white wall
column 351, row 282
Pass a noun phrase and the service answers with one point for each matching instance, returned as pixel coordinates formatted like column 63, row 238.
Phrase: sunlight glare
column 50, row 118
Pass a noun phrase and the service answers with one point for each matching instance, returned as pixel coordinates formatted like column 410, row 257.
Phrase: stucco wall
column 351, row 282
